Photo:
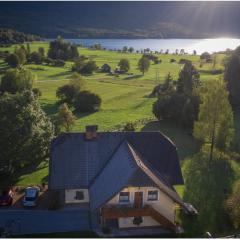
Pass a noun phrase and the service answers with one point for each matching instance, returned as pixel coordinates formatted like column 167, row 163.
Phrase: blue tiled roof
column 76, row 162
column 125, row 167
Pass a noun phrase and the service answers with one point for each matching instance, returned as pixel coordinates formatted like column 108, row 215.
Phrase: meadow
column 124, row 97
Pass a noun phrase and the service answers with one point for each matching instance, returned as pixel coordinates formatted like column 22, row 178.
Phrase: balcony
column 123, row 211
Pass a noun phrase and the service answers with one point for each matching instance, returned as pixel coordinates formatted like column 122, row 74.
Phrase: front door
column 138, row 199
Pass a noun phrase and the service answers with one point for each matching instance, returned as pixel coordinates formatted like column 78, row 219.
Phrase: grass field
column 124, row 98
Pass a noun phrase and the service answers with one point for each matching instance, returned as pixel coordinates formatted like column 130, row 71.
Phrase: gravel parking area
column 43, row 199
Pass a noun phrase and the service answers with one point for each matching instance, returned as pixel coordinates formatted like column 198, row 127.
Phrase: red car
column 6, row 197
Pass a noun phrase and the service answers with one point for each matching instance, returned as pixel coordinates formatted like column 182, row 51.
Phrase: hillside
column 10, row 36
column 123, row 19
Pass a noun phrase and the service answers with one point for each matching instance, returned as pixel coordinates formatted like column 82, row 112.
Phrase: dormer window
column 124, row 197
column 153, row 195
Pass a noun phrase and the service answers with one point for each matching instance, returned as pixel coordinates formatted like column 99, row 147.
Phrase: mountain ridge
column 123, row 19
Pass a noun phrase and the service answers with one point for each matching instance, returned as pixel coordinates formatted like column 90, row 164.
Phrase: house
column 106, row 68
column 124, row 179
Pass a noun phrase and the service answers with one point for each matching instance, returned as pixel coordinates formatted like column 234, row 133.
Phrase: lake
column 200, row 45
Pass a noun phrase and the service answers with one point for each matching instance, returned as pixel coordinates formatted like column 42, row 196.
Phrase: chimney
column 91, row 132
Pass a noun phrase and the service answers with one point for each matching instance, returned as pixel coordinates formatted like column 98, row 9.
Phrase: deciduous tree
column 143, row 64
column 17, row 80
column 124, row 64
column 26, row 132
column 215, row 119
column 65, row 118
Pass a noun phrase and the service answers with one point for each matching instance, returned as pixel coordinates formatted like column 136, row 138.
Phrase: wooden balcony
column 113, row 212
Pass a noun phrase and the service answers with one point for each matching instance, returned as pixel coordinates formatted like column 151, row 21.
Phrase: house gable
column 122, row 170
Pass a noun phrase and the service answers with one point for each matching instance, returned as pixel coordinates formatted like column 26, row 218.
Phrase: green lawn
column 124, row 98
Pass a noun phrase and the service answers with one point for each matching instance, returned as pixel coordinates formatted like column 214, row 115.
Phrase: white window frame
column 124, row 202
column 153, row 200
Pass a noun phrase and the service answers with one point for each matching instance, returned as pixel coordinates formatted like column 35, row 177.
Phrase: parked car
column 31, row 195
column 6, row 197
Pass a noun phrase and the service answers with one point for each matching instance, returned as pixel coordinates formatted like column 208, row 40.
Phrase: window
column 153, row 195
column 79, row 195
column 124, row 197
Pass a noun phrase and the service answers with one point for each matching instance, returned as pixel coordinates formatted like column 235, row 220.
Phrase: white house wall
column 164, row 205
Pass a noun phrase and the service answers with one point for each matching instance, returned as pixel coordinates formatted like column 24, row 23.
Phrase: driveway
column 43, row 221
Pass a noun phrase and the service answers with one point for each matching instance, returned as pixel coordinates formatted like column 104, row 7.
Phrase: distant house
column 106, row 68
column 124, row 179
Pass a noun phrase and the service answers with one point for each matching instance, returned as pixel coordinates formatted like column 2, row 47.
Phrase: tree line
column 10, row 36
column 207, row 110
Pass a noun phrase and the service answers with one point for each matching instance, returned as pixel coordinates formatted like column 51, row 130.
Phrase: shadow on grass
column 133, row 77
column 50, row 108
column 183, row 138
column 14, row 178
column 61, row 74
column 80, row 115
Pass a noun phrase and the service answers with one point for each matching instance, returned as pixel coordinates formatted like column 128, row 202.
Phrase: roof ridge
column 106, row 163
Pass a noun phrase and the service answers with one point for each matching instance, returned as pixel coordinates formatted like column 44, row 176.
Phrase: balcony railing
column 123, row 211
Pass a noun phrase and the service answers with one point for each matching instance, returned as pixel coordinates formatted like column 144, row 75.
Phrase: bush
column 129, row 127
column 205, row 56
column 49, row 61
column 86, row 101
column 58, row 63
column 172, row 60
column 83, row 67
column 37, row 92
column 12, row 60
column 183, row 61
column 36, row 58
column 177, row 107
column 157, row 61
column 66, row 93
column 89, row 67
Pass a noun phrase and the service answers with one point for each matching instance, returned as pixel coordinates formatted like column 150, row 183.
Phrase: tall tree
column 22, row 55
column 26, row 132
column 188, row 79
column 143, row 64
column 65, row 118
column 232, row 76
column 41, row 51
column 215, row 119
column 124, row 64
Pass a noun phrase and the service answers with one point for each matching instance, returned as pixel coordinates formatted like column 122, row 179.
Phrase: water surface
column 200, row 45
